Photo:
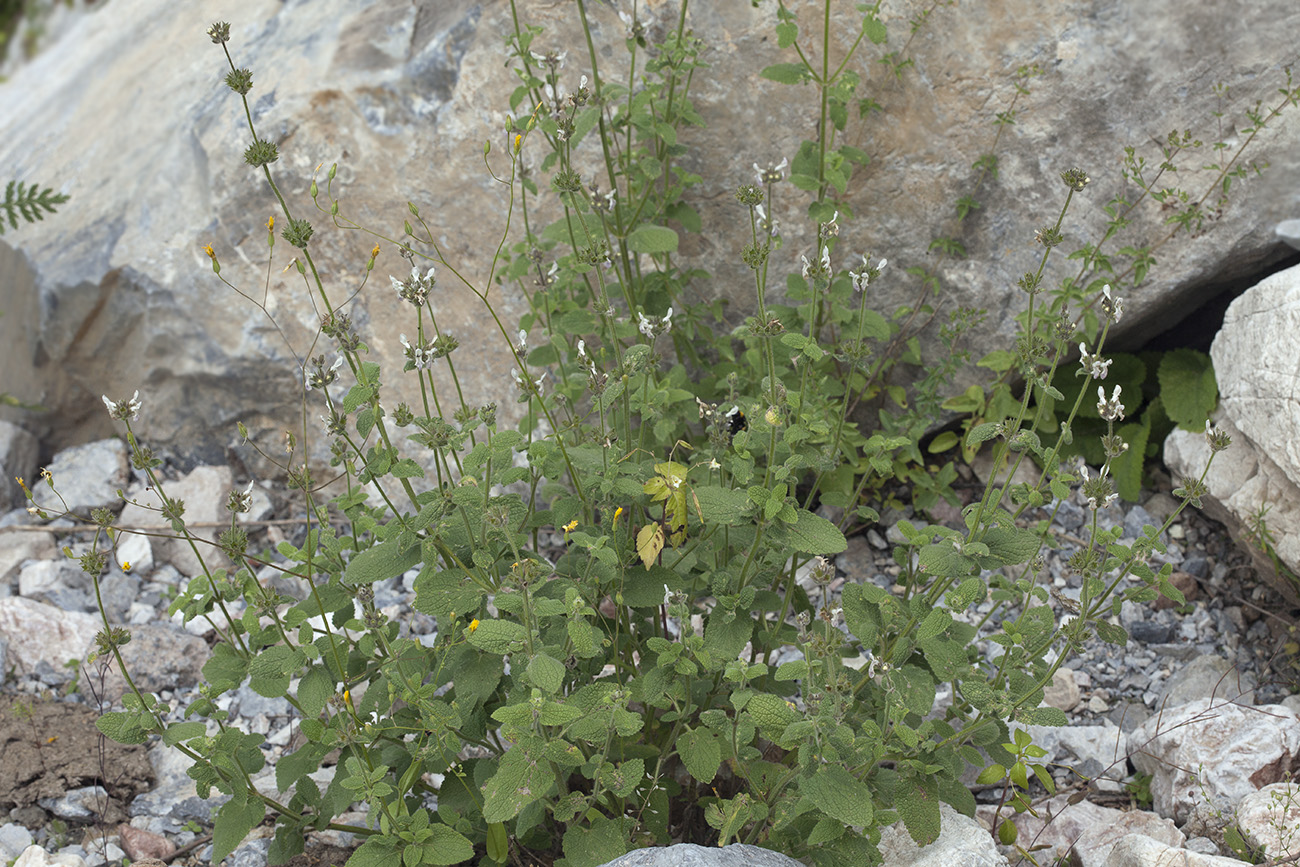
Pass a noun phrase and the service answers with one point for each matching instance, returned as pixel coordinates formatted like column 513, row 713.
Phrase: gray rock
column 111, row 279
column 1151, row 632
column 691, row 855
column 1288, row 232
column 79, row 805
column 1207, row 676
column 205, row 491
column 18, row 455
column 14, row 838
column 158, row 657
column 85, row 477
column 962, row 840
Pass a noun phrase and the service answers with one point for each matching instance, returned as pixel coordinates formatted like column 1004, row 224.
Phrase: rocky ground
column 1229, row 655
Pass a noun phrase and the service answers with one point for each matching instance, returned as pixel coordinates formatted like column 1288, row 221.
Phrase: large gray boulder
column 126, row 113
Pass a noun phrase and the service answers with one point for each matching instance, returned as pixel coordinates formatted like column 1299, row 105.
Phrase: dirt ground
column 49, row 747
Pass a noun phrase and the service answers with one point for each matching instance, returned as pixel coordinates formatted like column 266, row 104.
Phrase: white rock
column 136, row 550
column 1139, row 850
column 962, row 840
column 35, row 856
column 1216, row 751
column 85, row 477
column 1087, row 829
column 1271, row 818
column 36, row 631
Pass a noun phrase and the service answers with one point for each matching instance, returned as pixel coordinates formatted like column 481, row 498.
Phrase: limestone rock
column 126, row 113
column 1271, row 818
column 1139, row 850
column 1211, row 750
column 86, row 477
column 691, row 855
column 1207, row 676
column 1254, row 362
column 38, row 633
column 962, row 840
column 18, row 455
column 205, row 491
column 1084, row 832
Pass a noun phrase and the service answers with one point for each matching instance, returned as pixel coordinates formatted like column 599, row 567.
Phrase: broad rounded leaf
column 840, row 795
column 652, row 239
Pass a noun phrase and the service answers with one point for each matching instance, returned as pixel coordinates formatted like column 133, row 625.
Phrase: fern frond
column 27, row 201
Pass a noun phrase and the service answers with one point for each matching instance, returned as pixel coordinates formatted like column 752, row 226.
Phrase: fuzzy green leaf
column 812, row 534
column 546, row 673
column 383, row 561
column 917, row 802
column 1011, row 545
column 785, row 73
column 521, row 778
column 840, row 795
column 124, row 728
column 1188, row 388
column 700, row 753
column 232, row 823
column 446, row 846
column 652, row 239
column 722, row 505
column 498, row 636
column 942, row 560
column 604, row 841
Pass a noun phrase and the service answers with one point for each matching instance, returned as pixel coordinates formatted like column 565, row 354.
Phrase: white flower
column 421, row 354
column 668, row 320
column 1093, row 365
column 1112, row 306
column 582, row 349
column 668, row 595
column 771, row 174
column 123, row 409
column 643, row 325
column 1110, row 410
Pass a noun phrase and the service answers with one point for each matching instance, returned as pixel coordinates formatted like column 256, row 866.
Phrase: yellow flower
column 618, row 513
column 572, row 525
column 270, row 223
column 347, row 697
column 374, row 254
column 126, row 565
column 518, row 140
column 473, row 624
column 211, row 253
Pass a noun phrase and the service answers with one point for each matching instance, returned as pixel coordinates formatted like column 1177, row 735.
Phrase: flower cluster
column 1110, row 410
column 1093, row 365
column 1100, row 492
column 771, row 174
column 415, row 289
column 421, row 355
column 819, row 270
column 123, row 410
column 652, row 328
column 866, row 275
column 1112, row 306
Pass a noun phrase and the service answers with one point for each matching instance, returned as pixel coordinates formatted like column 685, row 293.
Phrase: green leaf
column 942, row 560
column 405, row 469
column 446, row 846
column 840, row 795
column 383, row 561
column 232, row 823
column 725, row 639
column 498, row 843
column 785, row 73
column 722, row 505
column 917, row 801
column 813, row 534
column 1187, row 387
column 546, row 673
column 122, row 727
column 1043, row 716
column 521, row 778
column 1110, row 633
column 314, row 690
column 498, row 636
column 1011, row 545
column 604, row 841
column 772, row 714
column 652, row 239
column 981, row 433
column 700, row 753
column 375, row 852
column 179, row 732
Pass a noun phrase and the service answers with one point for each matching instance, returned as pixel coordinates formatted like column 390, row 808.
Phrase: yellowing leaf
column 649, row 542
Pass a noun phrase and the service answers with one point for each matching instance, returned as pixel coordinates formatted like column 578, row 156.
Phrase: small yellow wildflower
column 571, row 526
column 347, row 698
column 473, row 624
column 126, row 565
column 270, row 223
column 211, row 253
column 374, row 254
column 618, row 513
column 47, row 476
column 518, row 141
